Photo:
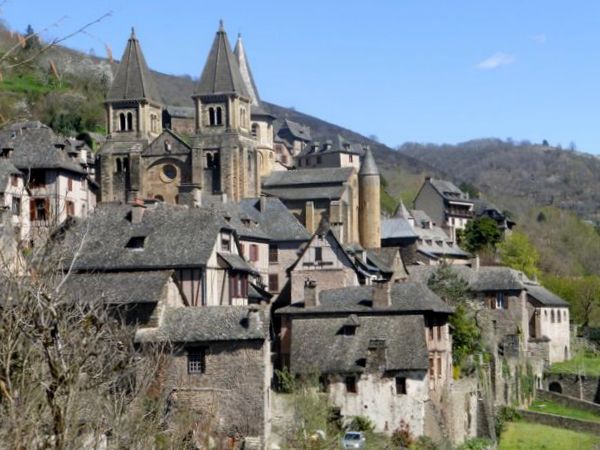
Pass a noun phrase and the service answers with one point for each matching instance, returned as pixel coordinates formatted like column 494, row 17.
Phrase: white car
column 353, row 439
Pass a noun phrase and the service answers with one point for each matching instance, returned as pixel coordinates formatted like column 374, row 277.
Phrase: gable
column 323, row 252
column 167, row 143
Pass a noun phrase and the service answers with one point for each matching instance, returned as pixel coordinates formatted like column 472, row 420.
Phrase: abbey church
column 231, row 154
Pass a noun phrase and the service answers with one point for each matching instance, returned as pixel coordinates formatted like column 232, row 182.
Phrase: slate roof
column 221, row 74
column 321, row 177
column 297, row 130
column 368, row 166
column 241, row 222
column 448, row 190
column 242, row 60
column 397, row 228
column 407, row 297
column 133, row 80
column 36, row 146
column 544, row 296
column 236, row 262
column 276, row 220
column 118, row 287
column 208, row 324
column 175, row 236
column 337, row 145
column 306, row 193
column 487, row 278
column 318, row 345
column 7, row 169
column 181, row 111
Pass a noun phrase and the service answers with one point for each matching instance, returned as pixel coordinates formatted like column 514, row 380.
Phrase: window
column 239, row 285
column 273, row 254
column 348, row 330
column 14, row 180
column 242, row 250
column 212, row 121
column 196, row 358
column 122, row 125
column 243, row 117
column 255, row 131
column 253, row 252
column 439, row 332
column 350, row 158
column 70, row 209
column 565, row 315
column 431, row 368
column 16, row 206
column 351, row 387
column 500, row 301
column 439, row 366
column 319, row 254
column 219, row 118
column 169, row 173
column 558, row 316
column 129, row 121
column 400, row 385
column 552, row 318
column 39, row 209
column 225, row 242
column 136, row 243
column 273, row 282
column 318, row 160
column 69, row 184
column 37, row 179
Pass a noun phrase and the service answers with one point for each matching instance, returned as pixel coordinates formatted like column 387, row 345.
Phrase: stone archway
column 555, row 387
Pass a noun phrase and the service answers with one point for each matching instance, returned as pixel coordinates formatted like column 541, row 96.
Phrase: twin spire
column 225, row 72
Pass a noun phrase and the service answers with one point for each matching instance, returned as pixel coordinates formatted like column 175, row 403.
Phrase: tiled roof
column 6, row 170
column 276, row 220
column 221, row 74
column 133, row 80
column 408, row 297
column 118, row 287
column 36, row 146
column 174, row 236
column 318, row 345
column 209, row 324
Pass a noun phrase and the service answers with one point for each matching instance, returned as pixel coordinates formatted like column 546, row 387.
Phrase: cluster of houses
column 246, row 246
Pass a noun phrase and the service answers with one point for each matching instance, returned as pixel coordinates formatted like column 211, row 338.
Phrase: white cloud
column 496, row 60
column 539, row 38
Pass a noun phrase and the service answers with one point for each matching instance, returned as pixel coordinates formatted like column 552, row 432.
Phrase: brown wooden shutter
column 31, row 209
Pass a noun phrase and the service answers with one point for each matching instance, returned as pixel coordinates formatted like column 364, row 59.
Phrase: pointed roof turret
column 368, row 166
column 242, row 60
column 221, row 74
column 133, row 80
column 401, row 212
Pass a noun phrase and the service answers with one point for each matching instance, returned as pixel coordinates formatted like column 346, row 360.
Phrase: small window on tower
column 400, row 385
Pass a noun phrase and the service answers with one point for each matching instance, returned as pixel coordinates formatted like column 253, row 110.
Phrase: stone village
column 252, row 248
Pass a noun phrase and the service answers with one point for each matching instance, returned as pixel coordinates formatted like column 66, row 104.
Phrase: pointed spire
column 401, row 212
column 221, row 74
column 368, row 166
column 242, row 60
column 133, row 80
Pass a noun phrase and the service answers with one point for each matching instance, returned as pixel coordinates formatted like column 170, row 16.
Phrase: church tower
column 261, row 127
column 133, row 118
column 224, row 156
column 369, row 207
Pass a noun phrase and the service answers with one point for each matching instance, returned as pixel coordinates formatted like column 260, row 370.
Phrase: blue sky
column 420, row 70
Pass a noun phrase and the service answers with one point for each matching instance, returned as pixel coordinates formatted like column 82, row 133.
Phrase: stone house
column 336, row 153
column 55, row 173
column 420, row 241
column 371, row 347
column 14, row 199
column 446, row 205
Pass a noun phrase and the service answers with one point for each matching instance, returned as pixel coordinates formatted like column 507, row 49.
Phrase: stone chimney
column 311, row 294
column 254, row 319
column 475, row 263
column 137, row 210
column 382, row 294
column 262, row 204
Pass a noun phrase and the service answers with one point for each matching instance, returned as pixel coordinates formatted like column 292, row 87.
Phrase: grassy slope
column 560, row 410
column 527, row 436
column 586, row 365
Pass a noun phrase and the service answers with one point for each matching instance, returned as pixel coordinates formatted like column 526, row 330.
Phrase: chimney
column 254, row 319
column 262, row 204
column 311, row 294
column 428, row 178
column 382, row 297
column 137, row 210
column 475, row 263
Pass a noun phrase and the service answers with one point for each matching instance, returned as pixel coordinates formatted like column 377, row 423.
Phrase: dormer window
column 136, row 243
column 349, row 330
column 225, row 243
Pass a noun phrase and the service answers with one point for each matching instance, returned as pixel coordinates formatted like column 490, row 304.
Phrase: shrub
column 476, row 444
column 361, row 423
column 425, row 443
column 402, row 437
column 506, row 414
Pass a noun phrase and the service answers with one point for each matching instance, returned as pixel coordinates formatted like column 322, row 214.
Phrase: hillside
column 519, row 176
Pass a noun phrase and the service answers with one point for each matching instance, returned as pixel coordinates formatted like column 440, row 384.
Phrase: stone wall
column 565, row 400
column 553, row 420
column 584, row 387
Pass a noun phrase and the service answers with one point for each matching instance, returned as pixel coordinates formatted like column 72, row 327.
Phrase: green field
column 528, row 436
column 555, row 408
column 586, row 365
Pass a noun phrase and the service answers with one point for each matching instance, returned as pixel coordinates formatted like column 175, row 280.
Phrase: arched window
column 552, row 318
column 219, row 116
column 212, row 120
column 122, row 124
column 129, row 121
column 255, row 131
column 243, row 117
column 249, row 163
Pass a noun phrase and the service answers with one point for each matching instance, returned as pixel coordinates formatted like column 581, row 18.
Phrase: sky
column 402, row 70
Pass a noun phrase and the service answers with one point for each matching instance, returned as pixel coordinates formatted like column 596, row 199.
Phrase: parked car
column 353, row 439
